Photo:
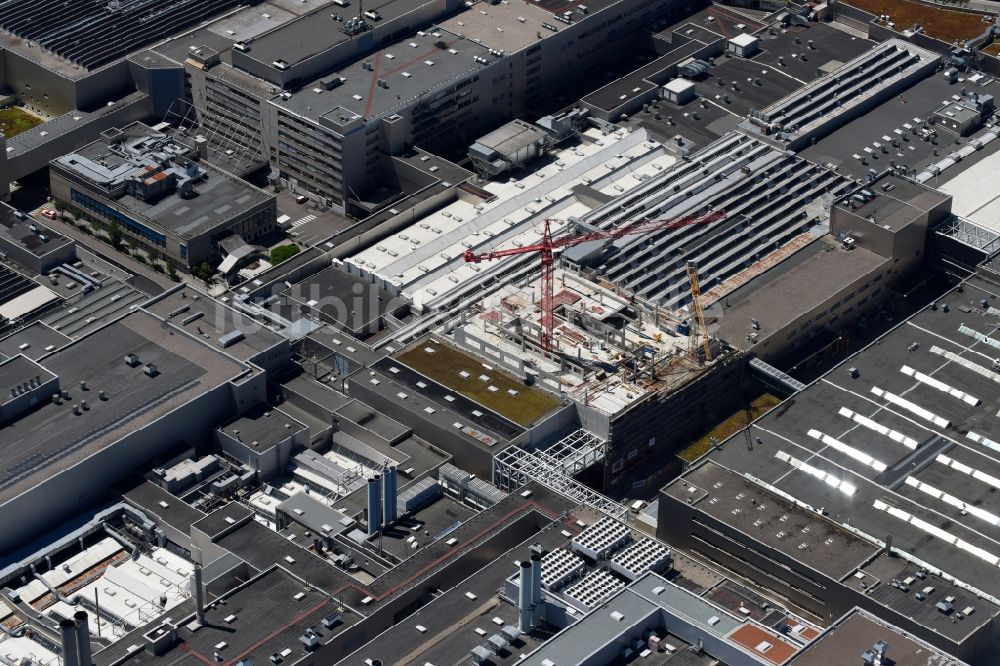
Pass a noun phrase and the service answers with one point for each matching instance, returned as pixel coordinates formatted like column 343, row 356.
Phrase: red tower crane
column 549, row 245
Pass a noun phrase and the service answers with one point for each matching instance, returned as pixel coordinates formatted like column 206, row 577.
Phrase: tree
column 283, row 253
column 203, row 272
column 115, row 235
column 172, row 270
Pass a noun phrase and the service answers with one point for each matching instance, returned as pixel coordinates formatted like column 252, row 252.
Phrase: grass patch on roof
column 15, row 120
column 446, row 364
column 729, row 427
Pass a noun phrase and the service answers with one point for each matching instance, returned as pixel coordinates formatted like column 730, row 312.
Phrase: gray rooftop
column 780, row 295
column 39, row 337
column 857, row 632
column 271, row 612
column 28, row 232
column 728, row 497
column 405, row 69
column 51, row 439
column 137, row 153
column 209, row 320
column 308, row 36
column 915, row 435
column 263, row 427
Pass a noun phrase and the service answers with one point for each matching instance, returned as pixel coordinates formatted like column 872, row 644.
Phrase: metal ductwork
column 67, row 632
column 389, row 491
column 374, row 504
column 524, row 599
column 536, row 589
column 199, row 594
column 85, row 654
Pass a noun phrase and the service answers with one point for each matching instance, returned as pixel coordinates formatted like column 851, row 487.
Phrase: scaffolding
column 514, row 467
column 969, row 233
column 575, row 452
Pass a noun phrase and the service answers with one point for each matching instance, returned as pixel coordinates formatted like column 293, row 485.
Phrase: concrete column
column 199, row 594
column 83, row 638
column 524, row 599
column 67, row 632
column 536, row 589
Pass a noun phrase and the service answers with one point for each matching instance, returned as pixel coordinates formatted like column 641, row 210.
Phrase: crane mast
column 549, row 244
column 699, row 314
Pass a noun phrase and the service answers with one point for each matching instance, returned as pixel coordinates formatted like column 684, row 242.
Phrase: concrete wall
column 645, row 439
column 475, row 459
column 30, row 154
column 694, row 531
column 67, row 493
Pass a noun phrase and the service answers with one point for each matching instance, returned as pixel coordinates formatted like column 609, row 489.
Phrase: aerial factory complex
column 543, row 332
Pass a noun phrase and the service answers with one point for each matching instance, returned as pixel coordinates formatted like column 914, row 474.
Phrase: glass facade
column 111, row 215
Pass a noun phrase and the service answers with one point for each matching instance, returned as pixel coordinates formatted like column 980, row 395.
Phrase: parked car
column 49, row 213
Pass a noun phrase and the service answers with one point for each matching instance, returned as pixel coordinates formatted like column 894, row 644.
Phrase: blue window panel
column 125, row 221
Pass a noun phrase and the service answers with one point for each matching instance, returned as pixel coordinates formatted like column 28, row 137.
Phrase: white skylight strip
column 894, row 435
column 986, row 516
column 848, row 450
column 911, row 407
column 831, row 480
column 972, row 333
column 937, row 532
column 988, row 479
column 941, row 386
column 985, row 441
column 967, row 364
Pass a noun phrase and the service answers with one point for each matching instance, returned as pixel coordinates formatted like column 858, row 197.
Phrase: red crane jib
column 549, row 244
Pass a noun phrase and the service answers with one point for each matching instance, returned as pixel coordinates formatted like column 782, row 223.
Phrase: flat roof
column 39, row 338
column 857, row 632
column 341, row 298
column 18, row 230
column 898, row 207
column 271, row 612
column 907, row 444
column 262, row 427
column 500, row 26
column 899, row 118
column 410, row 67
column 50, row 439
column 478, row 381
column 150, row 498
column 781, row 294
column 732, row 499
column 314, row 33
column 511, row 137
column 373, row 420
column 210, row 319
column 219, row 196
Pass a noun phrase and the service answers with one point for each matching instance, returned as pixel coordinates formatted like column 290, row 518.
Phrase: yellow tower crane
column 699, row 315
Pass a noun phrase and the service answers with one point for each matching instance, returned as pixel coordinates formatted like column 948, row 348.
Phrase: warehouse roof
column 905, row 436
column 51, row 439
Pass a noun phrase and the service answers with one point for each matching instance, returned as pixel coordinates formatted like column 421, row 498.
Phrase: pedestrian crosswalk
column 303, row 220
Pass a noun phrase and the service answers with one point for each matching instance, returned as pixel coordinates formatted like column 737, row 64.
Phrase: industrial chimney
column 536, row 589
column 199, row 594
column 374, row 505
column 390, row 496
column 67, row 631
column 387, row 496
column 524, row 599
column 83, row 638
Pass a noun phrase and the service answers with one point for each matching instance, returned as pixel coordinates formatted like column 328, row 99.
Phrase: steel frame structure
column 514, row 467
